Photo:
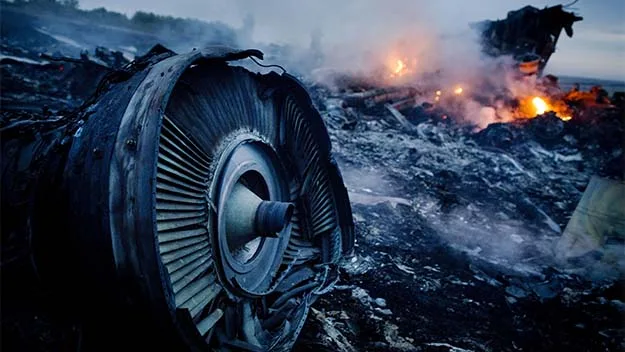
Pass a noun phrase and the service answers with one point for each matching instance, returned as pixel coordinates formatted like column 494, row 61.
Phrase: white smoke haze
column 362, row 37
column 506, row 242
column 323, row 39
column 368, row 39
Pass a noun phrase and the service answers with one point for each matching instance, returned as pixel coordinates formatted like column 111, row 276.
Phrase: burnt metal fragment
column 529, row 34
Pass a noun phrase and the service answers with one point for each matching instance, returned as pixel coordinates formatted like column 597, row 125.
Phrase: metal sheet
column 598, row 219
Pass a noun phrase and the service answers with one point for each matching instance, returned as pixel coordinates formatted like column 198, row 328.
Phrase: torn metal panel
column 529, row 34
column 598, row 219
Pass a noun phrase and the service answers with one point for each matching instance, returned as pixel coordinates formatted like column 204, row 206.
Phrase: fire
column 540, row 105
column 457, row 90
column 536, row 105
column 399, row 67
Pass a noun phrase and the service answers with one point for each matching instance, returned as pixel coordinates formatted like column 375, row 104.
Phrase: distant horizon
column 608, row 80
column 620, row 80
column 596, row 52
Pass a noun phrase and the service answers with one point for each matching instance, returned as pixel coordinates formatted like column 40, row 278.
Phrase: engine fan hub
column 249, row 179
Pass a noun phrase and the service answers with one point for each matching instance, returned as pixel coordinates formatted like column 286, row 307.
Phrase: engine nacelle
column 195, row 203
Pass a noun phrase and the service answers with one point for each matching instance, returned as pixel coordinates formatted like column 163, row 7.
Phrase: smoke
column 371, row 39
column 321, row 40
column 484, row 234
column 318, row 40
column 360, row 37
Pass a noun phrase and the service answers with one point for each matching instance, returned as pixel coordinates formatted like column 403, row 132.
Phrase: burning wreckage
column 501, row 233
column 523, row 43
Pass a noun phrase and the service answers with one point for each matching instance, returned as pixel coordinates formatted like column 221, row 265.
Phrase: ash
column 457, row 233
column 456, row 229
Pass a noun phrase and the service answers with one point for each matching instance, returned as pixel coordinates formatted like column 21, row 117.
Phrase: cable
column 267, row 66
column 571, row 4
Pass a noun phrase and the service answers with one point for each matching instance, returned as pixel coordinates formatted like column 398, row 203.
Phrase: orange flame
column 399, row 66
column 540, row 105
column 535, row 106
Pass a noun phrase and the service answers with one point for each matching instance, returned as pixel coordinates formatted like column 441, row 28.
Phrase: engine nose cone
column 249, row 217
column 272, row 217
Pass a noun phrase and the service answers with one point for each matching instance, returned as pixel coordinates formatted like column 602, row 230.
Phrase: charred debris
column 457, row 223
column 528, row 33
column 462, row 223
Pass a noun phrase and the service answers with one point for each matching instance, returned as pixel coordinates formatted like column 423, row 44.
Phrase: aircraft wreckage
column 528, row 34
column 191, row 202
